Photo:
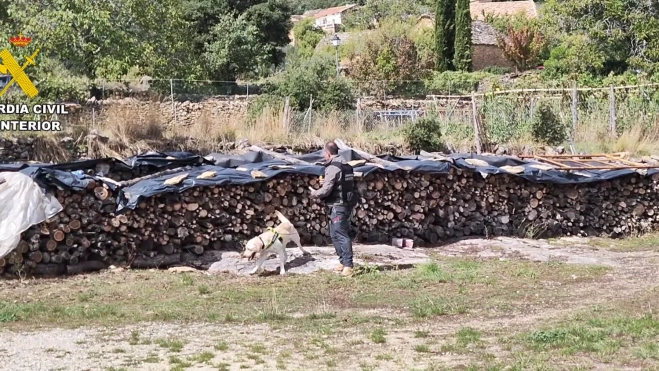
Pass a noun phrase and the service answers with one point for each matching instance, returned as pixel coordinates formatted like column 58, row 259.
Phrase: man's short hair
column 332, row 148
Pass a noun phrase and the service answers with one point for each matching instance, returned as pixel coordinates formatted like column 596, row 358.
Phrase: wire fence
column 469, row 113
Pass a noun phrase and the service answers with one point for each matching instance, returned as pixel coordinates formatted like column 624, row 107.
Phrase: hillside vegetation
column 85, row 45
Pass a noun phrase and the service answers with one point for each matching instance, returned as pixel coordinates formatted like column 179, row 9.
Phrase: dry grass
column 151, row 126
column 637, row 140
column 136, row 133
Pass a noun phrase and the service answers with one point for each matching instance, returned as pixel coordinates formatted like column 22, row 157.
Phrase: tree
column 624, row 33
column 107, row 38
column 444, row 34
column 378, row 11
column 519, row 38
column 271, row 18
column 463, row 46
column 236, row 49
column 314, row 78
column 388, row 59
column 307, row 36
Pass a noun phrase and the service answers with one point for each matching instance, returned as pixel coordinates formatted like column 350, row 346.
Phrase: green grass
column 378, row 336
column 602, row 336
column 613, row 337
column 202, row 357
column 408, row 317
column 221, row 346
column 173, row 345
column 178, row 362
column 445, row 287
column 467, row 335
column 427, row 307
column 421, row 348
column 648, row 242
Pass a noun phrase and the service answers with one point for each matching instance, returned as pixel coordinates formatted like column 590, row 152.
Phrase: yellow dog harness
column 275, row 236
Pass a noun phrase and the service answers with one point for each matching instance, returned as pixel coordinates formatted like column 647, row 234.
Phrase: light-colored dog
column 273, row 241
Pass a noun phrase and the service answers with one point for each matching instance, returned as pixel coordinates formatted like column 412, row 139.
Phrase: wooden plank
column 581, row 163
column 555, row 163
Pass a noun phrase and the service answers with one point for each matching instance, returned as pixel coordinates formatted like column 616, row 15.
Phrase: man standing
column 338, row 192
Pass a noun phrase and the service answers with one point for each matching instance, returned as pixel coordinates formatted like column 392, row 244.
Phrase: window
column 324, row 20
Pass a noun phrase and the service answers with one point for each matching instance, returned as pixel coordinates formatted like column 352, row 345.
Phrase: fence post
column 477, row 134
column 613, row 130
column 575, row 118
column 248, row 89
column 357, row 114
column 287, row 113
column 171, row 88
column 310, row 113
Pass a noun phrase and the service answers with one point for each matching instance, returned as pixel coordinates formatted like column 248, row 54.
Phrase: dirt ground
column 565, row 304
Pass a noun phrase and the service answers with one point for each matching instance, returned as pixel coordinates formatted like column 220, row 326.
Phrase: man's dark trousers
column 340, row 233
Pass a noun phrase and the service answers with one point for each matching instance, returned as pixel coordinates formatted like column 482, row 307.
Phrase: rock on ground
column 383, row 256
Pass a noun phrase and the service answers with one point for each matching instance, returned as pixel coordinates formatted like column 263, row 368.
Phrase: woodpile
column 176, row 229
column 84, row 236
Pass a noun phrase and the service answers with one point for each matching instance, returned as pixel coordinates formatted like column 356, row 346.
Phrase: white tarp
column 22, row 205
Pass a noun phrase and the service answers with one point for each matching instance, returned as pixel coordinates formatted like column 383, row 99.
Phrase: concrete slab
column 322, row 258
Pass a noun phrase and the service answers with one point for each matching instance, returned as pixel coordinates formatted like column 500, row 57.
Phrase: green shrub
column 546, row 127
column 423, row 134
column 315, row 78
column 496, row 70
column 263, row 101
column 455, row 82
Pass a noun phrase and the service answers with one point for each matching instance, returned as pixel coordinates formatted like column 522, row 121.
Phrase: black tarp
column 161, row 160
column 236, row 170
column 61, row 175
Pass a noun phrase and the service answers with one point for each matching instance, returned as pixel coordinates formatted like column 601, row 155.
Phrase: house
column 328, row 19
column 480, row 9
column 331, row 18
column 486, row 52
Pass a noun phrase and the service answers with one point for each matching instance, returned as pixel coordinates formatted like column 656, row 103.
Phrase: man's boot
column 339, row 268
column 347, row 272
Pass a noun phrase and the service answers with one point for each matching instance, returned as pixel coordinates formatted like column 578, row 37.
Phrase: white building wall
column 329, row 20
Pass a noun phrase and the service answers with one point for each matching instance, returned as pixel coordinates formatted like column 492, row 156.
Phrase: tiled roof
column 334, row 10
column 503, row 8
column 477, row 9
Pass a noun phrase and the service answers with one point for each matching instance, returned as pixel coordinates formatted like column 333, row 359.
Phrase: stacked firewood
column 173, row 228
column 84, row 235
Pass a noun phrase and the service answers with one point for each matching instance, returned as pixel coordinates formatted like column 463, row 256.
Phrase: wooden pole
column 171, row 88
column 477, row 134
column 613, row 130
column 575, row 118
column 287, row 110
